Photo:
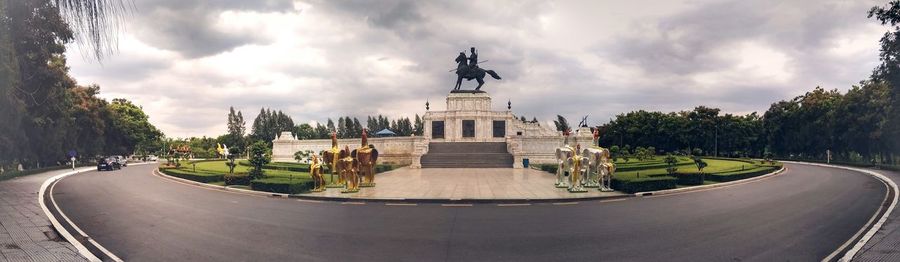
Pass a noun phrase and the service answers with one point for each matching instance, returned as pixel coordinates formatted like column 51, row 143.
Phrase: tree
column 614, row 153
column 301, row 155
column 888, row 71
column 305, row 131
column 671, row 164
column 699, row 163
column 561, row 124
column 419, row 127
column 259, row 157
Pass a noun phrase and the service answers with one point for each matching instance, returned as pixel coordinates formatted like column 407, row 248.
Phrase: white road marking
column 565, row 203
column 400, row 204
column 456, row 205
column 513, row 205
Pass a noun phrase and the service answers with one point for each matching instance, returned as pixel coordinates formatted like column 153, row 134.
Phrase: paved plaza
column 464, row 183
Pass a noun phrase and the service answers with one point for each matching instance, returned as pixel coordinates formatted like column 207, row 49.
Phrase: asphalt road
column 803, row 214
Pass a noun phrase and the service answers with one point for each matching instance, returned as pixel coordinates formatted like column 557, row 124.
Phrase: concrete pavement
column 803, row 214
column 25, row 231
column 885, row 244
column 464, row 183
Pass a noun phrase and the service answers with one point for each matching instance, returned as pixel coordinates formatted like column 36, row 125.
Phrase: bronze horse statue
column 469, row 72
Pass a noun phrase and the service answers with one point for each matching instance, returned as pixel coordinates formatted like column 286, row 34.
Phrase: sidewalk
column 25, row 232
column 885, row 244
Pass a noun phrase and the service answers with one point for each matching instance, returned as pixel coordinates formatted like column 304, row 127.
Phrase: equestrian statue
column 347, row 168
column 366, row 157
column 467, row 67
column 331, row 158
column 315, row 171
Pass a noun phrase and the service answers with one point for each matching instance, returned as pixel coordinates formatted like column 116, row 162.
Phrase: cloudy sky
column 186, row 62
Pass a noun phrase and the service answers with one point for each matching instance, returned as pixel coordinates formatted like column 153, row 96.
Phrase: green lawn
column 656, row 167
column 220, row 167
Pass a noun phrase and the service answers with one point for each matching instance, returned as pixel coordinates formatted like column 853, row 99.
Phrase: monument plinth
column 468, row 118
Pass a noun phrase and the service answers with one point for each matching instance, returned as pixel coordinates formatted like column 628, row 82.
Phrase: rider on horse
column 467, row 68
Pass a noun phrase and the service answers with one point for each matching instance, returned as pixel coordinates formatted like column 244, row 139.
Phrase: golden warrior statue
column 347, row 167
column 315, row 170
column 366, row 157
column 331, row 157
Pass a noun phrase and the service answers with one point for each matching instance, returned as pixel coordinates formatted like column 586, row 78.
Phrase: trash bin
column 525, row 162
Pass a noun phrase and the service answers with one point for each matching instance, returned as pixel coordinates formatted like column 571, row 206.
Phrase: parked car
column 121, row 160
column 108, row 164
column 152, row 158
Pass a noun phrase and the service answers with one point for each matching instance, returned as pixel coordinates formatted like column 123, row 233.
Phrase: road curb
column 892, row 190
column 84, row 249
column 704, row 187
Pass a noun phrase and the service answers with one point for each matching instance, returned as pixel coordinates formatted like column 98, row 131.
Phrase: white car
column 121, row 160
column 152, row 158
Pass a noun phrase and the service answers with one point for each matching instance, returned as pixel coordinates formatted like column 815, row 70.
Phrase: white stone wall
column 524, row 140
column 391, row 150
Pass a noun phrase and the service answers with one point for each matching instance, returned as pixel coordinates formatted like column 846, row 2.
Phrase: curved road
column 803, row 214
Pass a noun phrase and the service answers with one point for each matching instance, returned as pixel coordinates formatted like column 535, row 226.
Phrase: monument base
column 467, row 91
column 366, row 184
column 349, row 191
column 335, row 186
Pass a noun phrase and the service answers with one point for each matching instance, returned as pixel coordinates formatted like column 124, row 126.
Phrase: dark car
column 108, row 164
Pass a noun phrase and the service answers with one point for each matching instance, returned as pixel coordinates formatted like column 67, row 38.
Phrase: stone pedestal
column 468, row 118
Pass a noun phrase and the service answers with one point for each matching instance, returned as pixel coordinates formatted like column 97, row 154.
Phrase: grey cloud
column 187, row 27
column 541, row 81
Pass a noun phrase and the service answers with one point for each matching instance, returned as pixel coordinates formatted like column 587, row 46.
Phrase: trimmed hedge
column 547, row 167
column 644, row 184
column 294, row 167
column 689, row 179
column 237, row 179
column 384, row 168
column 742, row 174
column 281, row 185
column 199, row 177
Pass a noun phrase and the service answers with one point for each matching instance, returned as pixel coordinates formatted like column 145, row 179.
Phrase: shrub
column 671, row 163
column 237, row 179
column 259, row 157
column 741, row 174
column 383, row 168
column 689, row 179
column 199, row 177
column 644, row 184
column 551, row 168
column 282, row 185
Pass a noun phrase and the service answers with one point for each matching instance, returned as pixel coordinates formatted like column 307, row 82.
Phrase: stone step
column 467, row 147
column 467, row 155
